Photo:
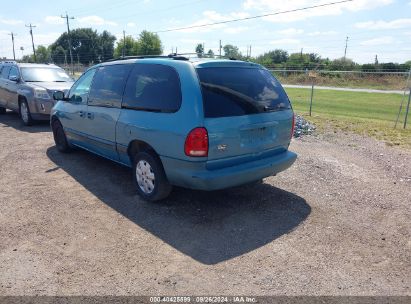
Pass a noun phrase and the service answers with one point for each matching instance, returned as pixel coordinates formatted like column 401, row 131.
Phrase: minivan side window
column 80, row 89
column 13, row 72
column 153, row 87
column 108, row 85
column 5, row 72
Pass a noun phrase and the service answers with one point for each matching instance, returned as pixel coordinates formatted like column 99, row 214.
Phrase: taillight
column 293, row 126
column 197, row 143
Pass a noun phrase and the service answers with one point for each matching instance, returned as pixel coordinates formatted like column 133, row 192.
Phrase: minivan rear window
column 236, row 91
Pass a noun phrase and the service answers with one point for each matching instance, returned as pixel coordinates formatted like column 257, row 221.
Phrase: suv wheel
column 25, row 113
column 149, row 177
column 2, row 110
column 60, row 137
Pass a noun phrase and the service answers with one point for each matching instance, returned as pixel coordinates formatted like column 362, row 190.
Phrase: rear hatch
column 248, row 115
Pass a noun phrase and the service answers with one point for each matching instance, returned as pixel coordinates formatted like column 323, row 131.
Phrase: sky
column 373, row 27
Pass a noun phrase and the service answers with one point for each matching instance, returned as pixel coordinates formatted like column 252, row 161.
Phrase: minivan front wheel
column 25, row 113
column 60, row 138
column 149, row 176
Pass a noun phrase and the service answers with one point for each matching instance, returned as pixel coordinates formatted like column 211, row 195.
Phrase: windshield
column 240, row 91
column 35, row 74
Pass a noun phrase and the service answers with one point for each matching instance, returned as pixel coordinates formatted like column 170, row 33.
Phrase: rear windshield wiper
column 277, row 107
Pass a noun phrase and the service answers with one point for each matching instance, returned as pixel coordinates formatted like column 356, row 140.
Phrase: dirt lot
column 336, row 223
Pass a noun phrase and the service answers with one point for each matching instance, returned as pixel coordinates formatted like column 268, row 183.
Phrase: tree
column 231, row 51
column 59, row 54
column 210, row 53
column 87, row 46
column 200, row 50
column 314, row 57
column 148, row 44
column 43, row 54
column 129, row 47
column 106, row 44
column 273, row 57
column 27, row 58
column 342, row 64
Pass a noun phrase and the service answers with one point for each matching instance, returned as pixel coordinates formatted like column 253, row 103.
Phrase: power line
column 254, row 17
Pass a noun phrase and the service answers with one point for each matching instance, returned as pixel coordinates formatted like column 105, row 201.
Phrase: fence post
column 408, row 108
column 312, row 95
column 408, row 84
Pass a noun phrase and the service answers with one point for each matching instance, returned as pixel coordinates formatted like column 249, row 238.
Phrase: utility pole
column 220, row 48
column 12, row 40
column 32, row 40
column 250, row 52
column 345, row 51
column 69, row 39
column 124, row 43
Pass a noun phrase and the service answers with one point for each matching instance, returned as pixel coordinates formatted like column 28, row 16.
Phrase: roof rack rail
column 171, row 56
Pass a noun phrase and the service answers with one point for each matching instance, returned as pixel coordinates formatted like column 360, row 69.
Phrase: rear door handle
column 82, row 114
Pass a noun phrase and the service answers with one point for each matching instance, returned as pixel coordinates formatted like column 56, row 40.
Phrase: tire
column 25, row 113
column 2, row 110
column 60, row 138
column 149, row 177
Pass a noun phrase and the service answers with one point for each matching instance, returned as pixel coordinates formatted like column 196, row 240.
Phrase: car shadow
column 12, row 120
column 210, row 227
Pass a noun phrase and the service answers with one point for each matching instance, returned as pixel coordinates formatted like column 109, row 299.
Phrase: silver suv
column 27, row 88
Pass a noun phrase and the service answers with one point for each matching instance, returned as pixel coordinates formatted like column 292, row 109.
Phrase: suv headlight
column 41, row 93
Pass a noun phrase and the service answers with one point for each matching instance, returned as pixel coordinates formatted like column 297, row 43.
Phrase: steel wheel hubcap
column 24, row 112
column 145, row 177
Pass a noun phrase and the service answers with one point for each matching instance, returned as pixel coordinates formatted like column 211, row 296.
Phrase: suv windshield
column 240, row 91
column 35, row 74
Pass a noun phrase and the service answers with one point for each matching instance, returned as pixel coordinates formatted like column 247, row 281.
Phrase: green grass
column 364, row 113
column 385, row 82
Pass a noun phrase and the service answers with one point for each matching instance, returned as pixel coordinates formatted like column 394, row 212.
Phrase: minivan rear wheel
column 2, row 110
column 60, row 138
column 149, row 177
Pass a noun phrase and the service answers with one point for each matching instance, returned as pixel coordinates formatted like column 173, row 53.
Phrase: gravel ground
column 336, row 223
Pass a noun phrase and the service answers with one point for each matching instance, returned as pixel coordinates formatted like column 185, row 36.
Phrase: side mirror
column 14, row 78
column 58, row 95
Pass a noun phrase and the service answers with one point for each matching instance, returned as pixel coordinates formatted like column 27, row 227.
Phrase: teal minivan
column 203, row 124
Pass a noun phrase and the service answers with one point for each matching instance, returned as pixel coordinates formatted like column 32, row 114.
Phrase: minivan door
column 104, row 106
column 73, row 112
column 247, row 112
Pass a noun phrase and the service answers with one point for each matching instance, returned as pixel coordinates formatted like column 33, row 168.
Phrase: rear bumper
column 194, row 175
